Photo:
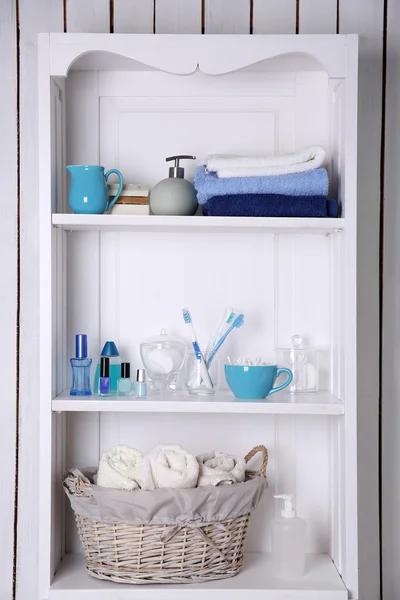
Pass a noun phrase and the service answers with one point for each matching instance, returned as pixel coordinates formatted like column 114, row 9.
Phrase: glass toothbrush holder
column 196, row 384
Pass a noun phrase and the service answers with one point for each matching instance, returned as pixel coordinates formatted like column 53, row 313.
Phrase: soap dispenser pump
column 289, row 541
column 174, row 195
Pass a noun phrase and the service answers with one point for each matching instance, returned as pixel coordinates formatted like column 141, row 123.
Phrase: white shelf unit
column 128, row 101
column 71, row 222
column 321, row 403
column 257, row 581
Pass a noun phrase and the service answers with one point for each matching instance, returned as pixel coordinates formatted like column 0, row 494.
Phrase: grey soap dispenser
column 175, row 195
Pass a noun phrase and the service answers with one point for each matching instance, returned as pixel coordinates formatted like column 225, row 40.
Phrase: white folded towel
column 172, row 467
column 118, row 468
column 217, row 468
column 260, row 166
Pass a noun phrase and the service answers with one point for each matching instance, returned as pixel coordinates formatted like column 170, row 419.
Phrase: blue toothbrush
column 238, row 322
column 227, row 318
column 203, row 368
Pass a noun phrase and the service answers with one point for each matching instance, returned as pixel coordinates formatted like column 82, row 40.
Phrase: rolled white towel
column 172, row 467
column 263, row 166
column 118, row 468
column 217, row 468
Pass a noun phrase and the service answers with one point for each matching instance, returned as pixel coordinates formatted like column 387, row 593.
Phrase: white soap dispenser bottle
column 288, row 541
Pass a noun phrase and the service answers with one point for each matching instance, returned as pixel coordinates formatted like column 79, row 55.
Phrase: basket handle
column 264, row 462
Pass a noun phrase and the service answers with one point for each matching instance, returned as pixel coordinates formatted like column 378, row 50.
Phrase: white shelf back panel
column 202, row 115
column 134, row 120
column 128, row 286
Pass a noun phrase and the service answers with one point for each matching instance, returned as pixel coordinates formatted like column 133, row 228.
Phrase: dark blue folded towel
column 270, row 205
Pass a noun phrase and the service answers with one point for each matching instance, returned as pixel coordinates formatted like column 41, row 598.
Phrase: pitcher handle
column 121, row 185
column 287, row 382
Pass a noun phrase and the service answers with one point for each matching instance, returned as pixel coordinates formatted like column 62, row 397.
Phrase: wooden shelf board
column 72, row 222
column 321, row 403
column 256, row 581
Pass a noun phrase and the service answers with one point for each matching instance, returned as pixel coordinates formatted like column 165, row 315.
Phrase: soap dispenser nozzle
column 288, row 511
column 176, row 170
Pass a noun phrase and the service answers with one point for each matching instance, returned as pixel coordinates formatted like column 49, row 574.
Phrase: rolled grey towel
column 217, row 468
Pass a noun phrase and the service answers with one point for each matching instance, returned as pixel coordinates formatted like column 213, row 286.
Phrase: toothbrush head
column 186, row 315
column 238, row 322
column 230, row 318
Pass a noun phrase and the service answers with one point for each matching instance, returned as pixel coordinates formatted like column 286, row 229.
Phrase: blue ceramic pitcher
column 88, row 194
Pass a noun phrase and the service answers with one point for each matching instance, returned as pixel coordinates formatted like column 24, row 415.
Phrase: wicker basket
column 140, row 554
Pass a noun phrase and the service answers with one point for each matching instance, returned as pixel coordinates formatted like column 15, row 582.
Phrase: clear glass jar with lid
column 304, row 364
column 163, row 357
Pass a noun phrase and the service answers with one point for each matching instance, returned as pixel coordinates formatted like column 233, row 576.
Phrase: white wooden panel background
column 8, row 290
column 190, row 16
column 391, row 322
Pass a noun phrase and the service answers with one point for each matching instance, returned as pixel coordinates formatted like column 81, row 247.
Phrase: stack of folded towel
column 291, row 185
column 167, row 466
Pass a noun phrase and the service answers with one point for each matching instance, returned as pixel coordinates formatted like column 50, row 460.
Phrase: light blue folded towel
column 310, row 183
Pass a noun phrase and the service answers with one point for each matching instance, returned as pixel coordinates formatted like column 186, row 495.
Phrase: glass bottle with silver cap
column 141, row 386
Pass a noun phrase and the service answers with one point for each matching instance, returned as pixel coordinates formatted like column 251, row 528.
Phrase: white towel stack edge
column 261, row 166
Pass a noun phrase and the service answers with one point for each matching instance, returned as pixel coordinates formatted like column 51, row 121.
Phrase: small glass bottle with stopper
column 124, row 384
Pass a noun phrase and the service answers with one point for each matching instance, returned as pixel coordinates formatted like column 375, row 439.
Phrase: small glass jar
column 304, row 364
column 124, row 384
column 201, row 378
column 163, row 357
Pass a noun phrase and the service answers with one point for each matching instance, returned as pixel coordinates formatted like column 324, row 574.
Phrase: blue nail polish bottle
column 111, row 351
column 141, row 387
column 104, row 381
column 81, row 368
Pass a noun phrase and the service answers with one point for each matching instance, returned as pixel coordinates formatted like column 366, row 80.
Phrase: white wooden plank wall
column 88, row 15
column 391, row 321
column 178, row 16
column 367, row 19
column 8, row 288
column 133, row 17
column 34, row 18
column 225, row 16
column 189, row 16
column 274, row 16
column 318, row 17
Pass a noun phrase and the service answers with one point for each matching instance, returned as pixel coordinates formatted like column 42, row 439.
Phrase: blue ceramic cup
column 255, row 382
